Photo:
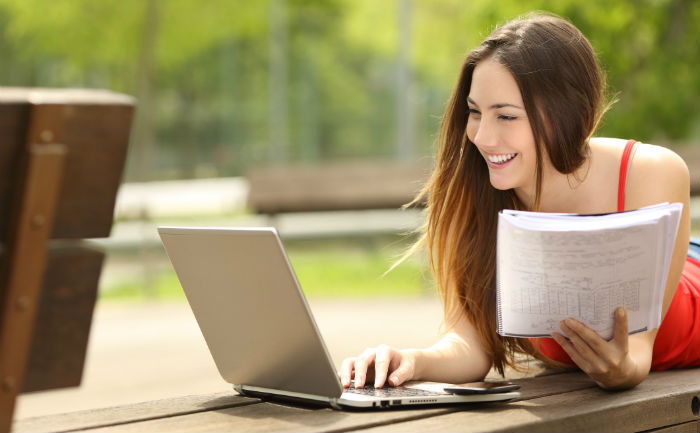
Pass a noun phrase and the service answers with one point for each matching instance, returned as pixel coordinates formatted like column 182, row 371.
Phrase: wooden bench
column 62, row 154
column 691, row 156
column 553, row 401
column 356, row 185
column 362, row 185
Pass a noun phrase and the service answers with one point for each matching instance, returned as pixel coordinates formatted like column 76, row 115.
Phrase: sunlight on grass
column 355, row 273
column 324, row 269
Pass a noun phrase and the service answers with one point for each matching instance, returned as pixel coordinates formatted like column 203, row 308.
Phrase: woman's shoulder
column 656, row 174
column 645, row 156
column 651, row 159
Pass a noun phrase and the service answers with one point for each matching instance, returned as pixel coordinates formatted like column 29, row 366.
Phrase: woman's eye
column 506, row 117
column 474, row 112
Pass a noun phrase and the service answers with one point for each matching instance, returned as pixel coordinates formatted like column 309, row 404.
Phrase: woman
column 517, row 134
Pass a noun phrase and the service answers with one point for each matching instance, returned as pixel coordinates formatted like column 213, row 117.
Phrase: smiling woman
column 517, row 134
column 500, row 130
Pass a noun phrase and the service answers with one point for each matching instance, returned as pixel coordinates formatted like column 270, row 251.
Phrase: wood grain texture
column 32, row 211
column 64, row 315
column 61, row 157
column 553, row 403
column 135, row 413
column 663, row 399
column 96, row 136
column 686, row 427
column 274, row 417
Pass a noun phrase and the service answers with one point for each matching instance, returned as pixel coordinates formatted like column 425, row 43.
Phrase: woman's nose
column 485, row 136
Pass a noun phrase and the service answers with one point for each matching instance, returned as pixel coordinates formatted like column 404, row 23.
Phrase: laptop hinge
column 257, row 391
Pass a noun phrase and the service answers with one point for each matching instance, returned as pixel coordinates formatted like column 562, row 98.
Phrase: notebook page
column 545, row 276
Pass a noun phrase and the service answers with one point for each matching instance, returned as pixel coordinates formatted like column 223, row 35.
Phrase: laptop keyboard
column 391, row 391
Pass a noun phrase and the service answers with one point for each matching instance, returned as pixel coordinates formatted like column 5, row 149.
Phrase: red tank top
column 677, row 341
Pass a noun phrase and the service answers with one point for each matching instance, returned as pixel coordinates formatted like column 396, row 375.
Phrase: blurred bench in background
column 691, row 156
column 357, row 185
column 62, row 153
column 363, row 185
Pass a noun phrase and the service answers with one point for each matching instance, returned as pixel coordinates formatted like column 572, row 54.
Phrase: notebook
column 259, row 328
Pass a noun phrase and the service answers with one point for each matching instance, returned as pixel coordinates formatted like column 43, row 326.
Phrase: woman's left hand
column 607, row 362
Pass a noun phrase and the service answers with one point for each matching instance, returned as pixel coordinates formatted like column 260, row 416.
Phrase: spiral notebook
column 554, row 266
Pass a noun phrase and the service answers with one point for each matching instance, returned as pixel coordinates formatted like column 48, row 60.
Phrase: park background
column 225, row 87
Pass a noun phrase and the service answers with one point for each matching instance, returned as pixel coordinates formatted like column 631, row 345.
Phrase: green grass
column 355, row 273
column 339, row 268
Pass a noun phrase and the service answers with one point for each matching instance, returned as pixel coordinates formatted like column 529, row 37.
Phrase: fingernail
column 621, row 312
column 394, row 380
column 570, row 323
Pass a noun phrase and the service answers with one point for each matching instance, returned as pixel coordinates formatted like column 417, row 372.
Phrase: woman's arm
column 657, row 175
column 456, row 358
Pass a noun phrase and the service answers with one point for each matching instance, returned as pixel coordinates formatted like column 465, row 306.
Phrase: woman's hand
column 378, row 363
column 609, row 363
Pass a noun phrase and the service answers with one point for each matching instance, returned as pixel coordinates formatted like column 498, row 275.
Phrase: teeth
column 500, row 159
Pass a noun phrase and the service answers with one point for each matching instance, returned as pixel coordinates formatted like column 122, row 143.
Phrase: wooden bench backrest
column 362, row 185
column 336, row 186
column 62, row 153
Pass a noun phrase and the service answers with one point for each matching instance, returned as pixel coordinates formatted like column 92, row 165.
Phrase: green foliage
column 211, row 105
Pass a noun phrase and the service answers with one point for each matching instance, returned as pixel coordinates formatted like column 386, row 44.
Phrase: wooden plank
column 14, row 121
column 96, row 133
column 274, row 417
column 663, row 399
column 64, row 315
column 270, row 416
column 20, row 282
column 336, row 186
column 564, row 402
column 98, row 137
column 686, row 427
column 131, row 413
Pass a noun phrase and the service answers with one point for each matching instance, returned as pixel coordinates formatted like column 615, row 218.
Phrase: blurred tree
column 213, row 102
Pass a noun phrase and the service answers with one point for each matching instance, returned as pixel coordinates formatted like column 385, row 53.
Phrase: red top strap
column 624, row 162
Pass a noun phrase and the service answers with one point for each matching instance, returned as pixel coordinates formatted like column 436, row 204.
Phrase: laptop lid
column 250, row 309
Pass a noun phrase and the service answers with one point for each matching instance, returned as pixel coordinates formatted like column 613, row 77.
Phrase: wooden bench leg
column 30, row 229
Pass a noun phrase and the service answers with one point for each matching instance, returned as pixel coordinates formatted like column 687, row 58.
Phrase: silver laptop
column 259, row 328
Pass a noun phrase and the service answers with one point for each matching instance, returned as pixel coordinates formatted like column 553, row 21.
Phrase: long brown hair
column 562, row 88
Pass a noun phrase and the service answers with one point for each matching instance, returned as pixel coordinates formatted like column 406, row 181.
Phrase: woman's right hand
column 379, row 363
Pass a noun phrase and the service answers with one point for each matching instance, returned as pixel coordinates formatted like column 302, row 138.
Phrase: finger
column 346, row 371
column 586, row 339
column 571, row 350
column 401, row 374
column 381, row 365
column 361, row 365
column 621, row 333
column 585, row 357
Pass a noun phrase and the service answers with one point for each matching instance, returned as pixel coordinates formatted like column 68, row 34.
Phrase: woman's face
column 499, row 127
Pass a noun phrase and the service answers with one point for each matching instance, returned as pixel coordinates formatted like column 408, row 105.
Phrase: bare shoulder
column 658, row 160
column 644, row 155
column 656, row 174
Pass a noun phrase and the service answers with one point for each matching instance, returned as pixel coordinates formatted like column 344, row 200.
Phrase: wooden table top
column 559, row 402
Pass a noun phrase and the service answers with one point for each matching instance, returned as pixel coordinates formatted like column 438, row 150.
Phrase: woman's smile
column 499, row 160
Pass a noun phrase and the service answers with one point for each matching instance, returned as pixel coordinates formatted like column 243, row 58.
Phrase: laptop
column 259, row 328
